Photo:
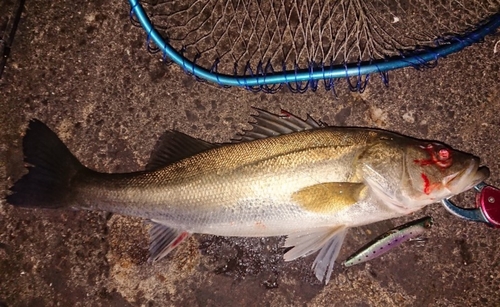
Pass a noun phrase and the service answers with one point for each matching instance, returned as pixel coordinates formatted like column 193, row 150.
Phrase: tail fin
column 51, row 167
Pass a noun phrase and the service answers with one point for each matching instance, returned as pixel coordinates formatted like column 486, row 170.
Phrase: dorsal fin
column 268, row 124
column 174, row 146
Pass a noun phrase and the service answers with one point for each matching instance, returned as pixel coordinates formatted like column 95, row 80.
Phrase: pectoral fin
column 305, row 243
column 381, row 190
column 163, row 240
column 329, row 197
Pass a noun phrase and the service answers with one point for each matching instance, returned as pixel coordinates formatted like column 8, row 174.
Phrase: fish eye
column 439, row 155
column 442, row 157
column 443, row 154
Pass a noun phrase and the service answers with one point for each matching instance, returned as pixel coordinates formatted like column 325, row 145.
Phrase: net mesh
column 238, row 34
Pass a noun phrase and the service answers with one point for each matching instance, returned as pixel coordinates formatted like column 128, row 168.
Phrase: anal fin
column 326, row 239
column 163, row 240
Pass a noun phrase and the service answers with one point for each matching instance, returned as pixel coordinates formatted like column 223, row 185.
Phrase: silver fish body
column 285, row 177
column 255, row 194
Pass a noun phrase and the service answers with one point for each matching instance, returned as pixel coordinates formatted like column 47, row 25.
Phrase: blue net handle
column 320, row 72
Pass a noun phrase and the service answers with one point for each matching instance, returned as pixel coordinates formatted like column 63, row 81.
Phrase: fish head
column 408, row 174
column 435, row 171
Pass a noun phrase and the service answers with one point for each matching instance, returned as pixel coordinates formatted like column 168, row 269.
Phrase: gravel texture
column 83, row 70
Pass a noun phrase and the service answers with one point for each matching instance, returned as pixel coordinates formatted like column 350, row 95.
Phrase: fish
column 390, row 240
column 283, row 177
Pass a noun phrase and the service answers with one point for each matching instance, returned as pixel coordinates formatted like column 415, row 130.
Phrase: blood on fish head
column 436, row 171
column 409, row 173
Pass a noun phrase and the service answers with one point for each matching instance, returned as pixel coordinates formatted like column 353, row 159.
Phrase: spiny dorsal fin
column 174, row 146
column 268, row 124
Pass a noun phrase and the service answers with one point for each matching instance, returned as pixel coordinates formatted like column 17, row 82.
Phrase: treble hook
column 487, row 206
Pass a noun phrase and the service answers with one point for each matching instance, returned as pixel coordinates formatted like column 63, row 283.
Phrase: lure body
column 390, row 240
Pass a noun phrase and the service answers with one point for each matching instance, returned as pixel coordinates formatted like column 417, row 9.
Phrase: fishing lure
column 390, row 240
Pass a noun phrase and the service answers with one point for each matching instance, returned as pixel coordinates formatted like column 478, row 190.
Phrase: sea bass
column 285, row 176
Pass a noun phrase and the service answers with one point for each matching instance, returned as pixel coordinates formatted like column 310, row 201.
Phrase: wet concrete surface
column 83, row 70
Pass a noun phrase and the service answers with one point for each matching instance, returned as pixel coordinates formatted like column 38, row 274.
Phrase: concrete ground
column 82, row 69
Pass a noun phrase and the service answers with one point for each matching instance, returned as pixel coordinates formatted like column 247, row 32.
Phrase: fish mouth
column 468, row 178
column 481, row 175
